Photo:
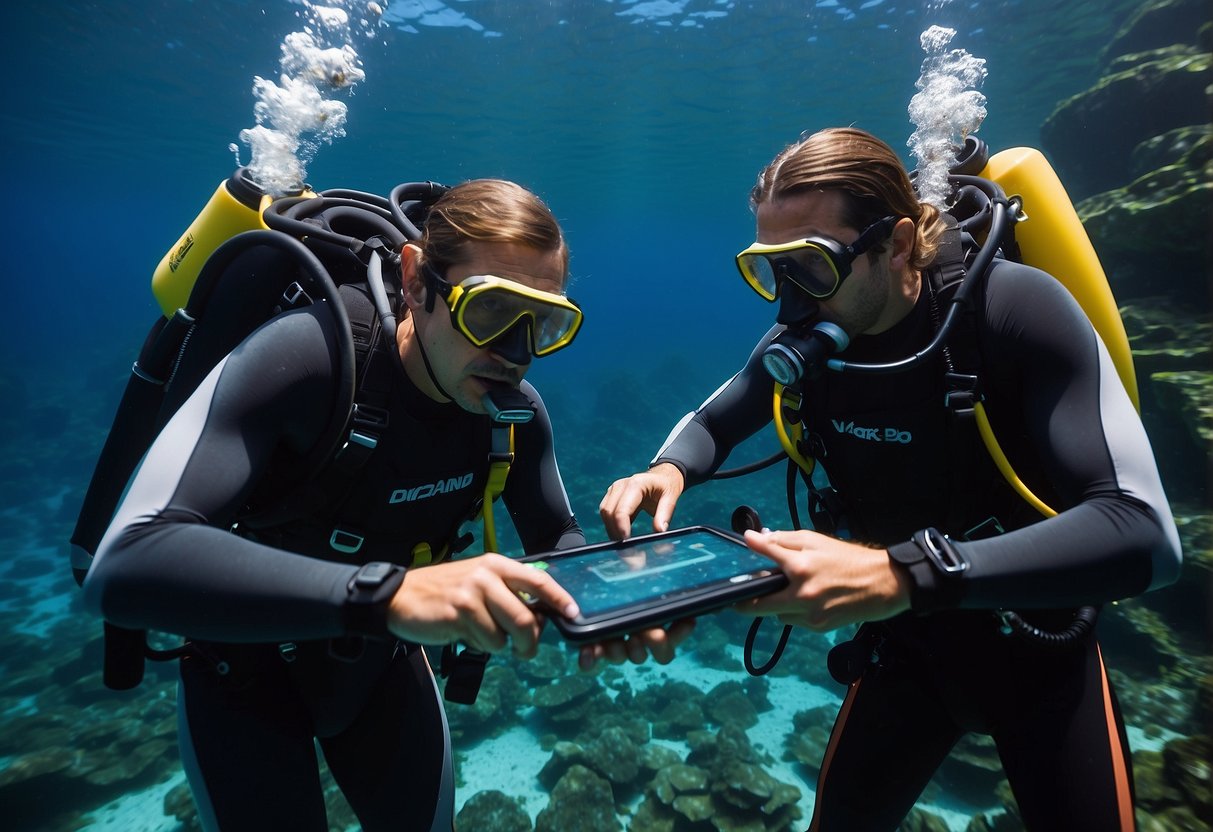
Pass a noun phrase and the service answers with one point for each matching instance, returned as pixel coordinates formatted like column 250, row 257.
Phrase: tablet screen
column 609, row 579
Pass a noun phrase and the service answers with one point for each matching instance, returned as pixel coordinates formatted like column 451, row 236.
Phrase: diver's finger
column 636, row 648
column 513, row 618
column 541, row 588
column 619, row 508
column 665, row 511
column 765, row 544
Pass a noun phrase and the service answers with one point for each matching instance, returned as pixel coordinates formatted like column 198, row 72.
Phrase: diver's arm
column 534, row 493
column 694, row 450
column 168, row 562
column 1114, row 536
column 702, row 440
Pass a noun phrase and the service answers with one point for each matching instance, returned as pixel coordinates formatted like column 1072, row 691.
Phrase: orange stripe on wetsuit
column 835, row 735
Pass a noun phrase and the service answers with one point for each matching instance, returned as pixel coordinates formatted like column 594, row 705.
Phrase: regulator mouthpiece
column 507, row 405
column 792, row 357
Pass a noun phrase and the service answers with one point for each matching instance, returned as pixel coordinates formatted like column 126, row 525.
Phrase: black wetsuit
column 280, row 655
column 886, row 442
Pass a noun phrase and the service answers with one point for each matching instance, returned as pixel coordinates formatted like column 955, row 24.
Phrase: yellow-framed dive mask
column 484, row 308
column 818, row 265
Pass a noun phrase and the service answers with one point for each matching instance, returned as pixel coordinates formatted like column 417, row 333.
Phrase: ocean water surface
column 642, row 123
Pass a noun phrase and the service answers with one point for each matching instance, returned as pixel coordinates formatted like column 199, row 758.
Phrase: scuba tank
column 1051, row 237
column 235, row 206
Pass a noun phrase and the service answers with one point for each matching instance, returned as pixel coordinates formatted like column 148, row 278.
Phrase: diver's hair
column 866, row 171
column 489, row 211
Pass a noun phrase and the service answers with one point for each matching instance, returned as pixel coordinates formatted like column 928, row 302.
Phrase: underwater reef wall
column 1136, row 149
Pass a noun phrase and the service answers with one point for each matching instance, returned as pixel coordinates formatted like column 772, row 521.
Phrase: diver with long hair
column 938, row 546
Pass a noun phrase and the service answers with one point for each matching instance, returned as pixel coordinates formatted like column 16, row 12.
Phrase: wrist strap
column 935, row 567
column 369, row 592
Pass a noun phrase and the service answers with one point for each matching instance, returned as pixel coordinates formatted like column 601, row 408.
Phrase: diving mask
column 818, row 265
column 485, row 308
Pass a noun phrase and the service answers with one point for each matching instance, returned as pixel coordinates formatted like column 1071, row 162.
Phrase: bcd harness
column 945, row 283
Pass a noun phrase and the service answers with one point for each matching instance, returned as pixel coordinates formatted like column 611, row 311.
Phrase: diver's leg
column 248, row 753
column 890, row 736
column 394, row 762
column 1065, row 754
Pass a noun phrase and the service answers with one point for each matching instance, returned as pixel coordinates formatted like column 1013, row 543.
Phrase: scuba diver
column 977, row 609
column 304, row 625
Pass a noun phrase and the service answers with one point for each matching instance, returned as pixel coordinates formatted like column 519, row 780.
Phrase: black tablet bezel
column 660, row 611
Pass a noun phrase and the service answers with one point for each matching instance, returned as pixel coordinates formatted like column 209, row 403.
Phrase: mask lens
column 489, row 314
column 759, row 272
column 810, row 265
column 491, row 311
column 812, row 270
column 552, row 325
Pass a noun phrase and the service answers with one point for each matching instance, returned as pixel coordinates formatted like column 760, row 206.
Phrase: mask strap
column 428, row 368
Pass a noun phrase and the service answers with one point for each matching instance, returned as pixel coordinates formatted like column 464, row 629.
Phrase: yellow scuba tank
column 235, row 207
column 1051, row 238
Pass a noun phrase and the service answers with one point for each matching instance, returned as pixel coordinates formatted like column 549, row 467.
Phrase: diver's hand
column 476, row 601
column 831, row 582
column 659, row 642
column 656, row 491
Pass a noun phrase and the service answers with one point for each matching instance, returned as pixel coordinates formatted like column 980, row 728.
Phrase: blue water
column 642, row 124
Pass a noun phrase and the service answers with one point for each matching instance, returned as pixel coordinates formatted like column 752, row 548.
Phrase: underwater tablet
column 646, row 581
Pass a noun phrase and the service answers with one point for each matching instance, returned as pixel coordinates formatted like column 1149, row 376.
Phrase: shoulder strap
column 324, row 492
column 962, row 379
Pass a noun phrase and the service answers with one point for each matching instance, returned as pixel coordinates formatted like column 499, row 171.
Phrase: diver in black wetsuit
column 309, row 630
column 938, row 664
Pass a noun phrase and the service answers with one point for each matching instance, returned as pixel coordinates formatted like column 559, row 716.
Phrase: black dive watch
column 369, row 592
column 935, row 567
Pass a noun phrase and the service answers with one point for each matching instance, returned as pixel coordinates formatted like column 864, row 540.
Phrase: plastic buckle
column 941, row 552
column 294, row 297
column 367, row 424
column 962, row 392
column 368, row 418
column 792, row 403
column 345, row 541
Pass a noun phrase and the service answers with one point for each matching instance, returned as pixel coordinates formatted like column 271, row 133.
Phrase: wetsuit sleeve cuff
column 682, row 469
column 936, row 580
column 370, row 592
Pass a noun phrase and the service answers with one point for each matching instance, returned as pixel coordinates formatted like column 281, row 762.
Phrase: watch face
column 373, row 575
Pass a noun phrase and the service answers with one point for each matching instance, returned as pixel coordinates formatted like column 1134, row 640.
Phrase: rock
column 693, row 807
column 179, row 804
column 581, row 802
column 806, row 744
column 1191, row 395
column 679, row 779
column 493, row 810
column 654, row 757
column 1153, row 230
column 1092, row 135
column 614, row 756
column 1157, row 24
column 563, row 691
column 729, row 704
column 1187, row 765
column 919, row 820
column 564, row 756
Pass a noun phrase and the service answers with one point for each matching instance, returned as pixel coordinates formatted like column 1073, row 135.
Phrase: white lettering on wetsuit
column 430, row 489
column 873, row 434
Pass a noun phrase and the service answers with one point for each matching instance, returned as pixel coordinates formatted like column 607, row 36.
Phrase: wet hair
column 866, row 171
column 488, row 211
